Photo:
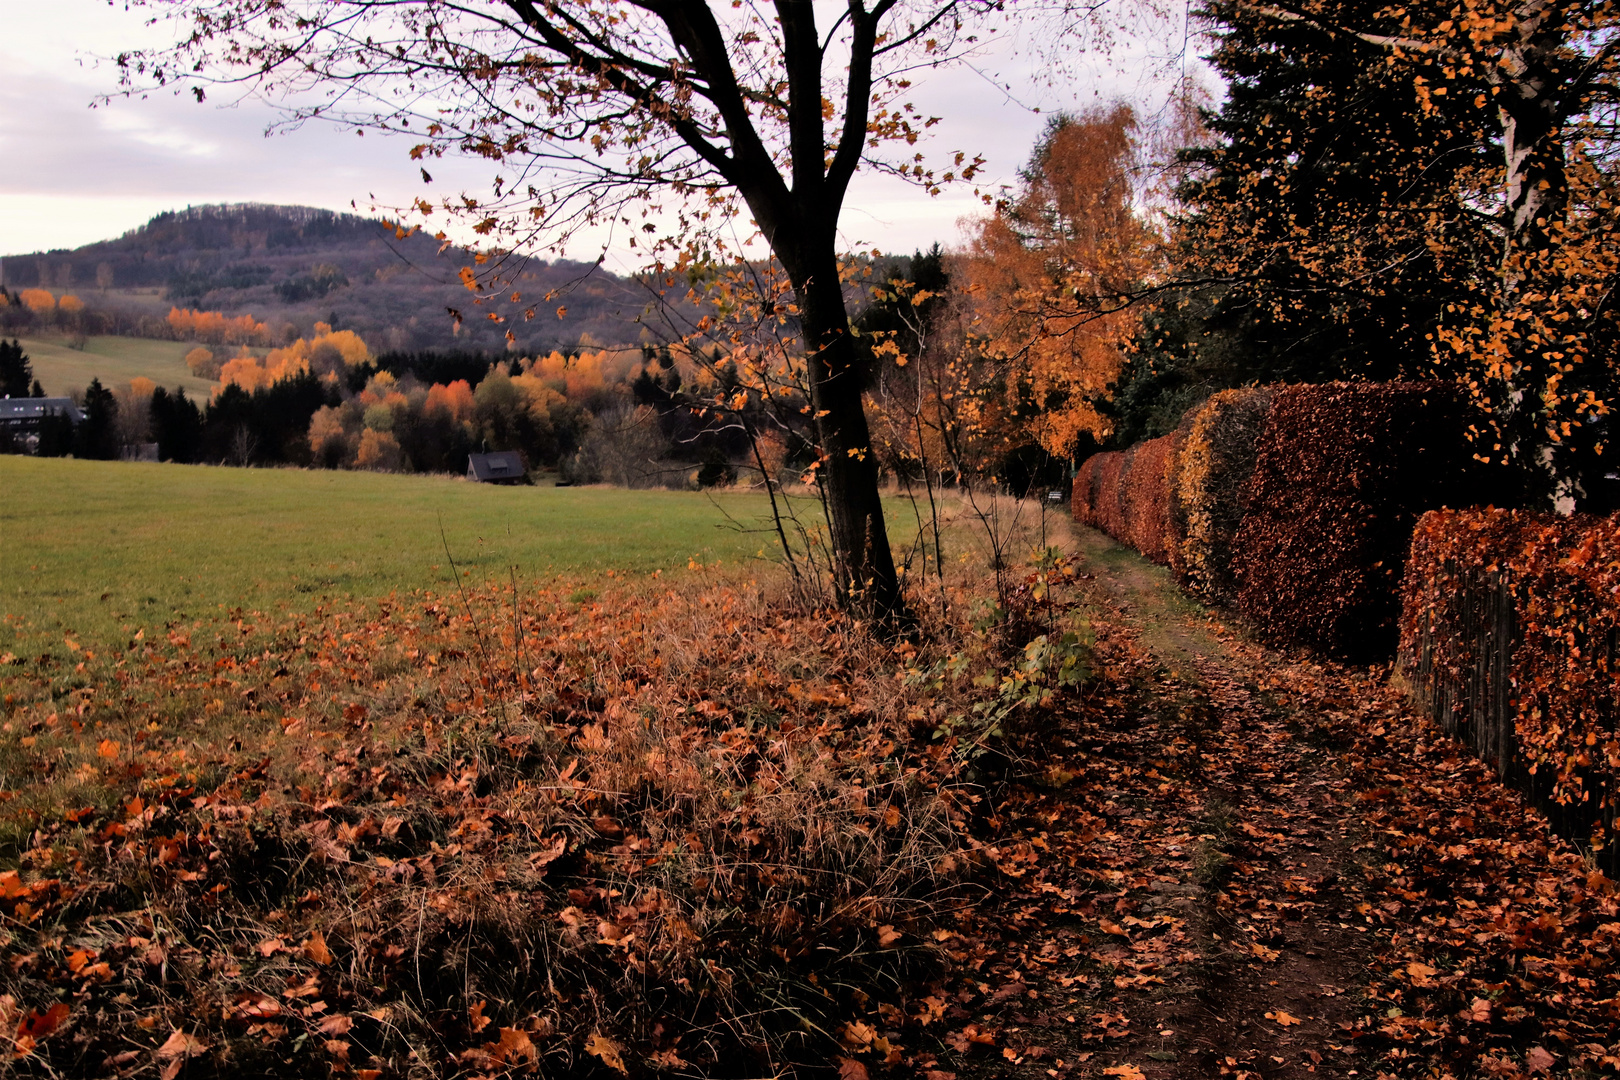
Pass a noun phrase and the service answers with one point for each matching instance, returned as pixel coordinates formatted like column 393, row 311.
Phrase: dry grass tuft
column 663, row 828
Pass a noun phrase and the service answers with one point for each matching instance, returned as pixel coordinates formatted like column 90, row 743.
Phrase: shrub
column 1110, row 475
column 1509, row 632
column 1145, row 497
column 1085, row 486
column 1208, row 497
column 1342, row 472
column 1096, row 485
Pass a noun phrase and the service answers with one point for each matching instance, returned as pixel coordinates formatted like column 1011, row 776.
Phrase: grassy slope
column 93, row 548
column 115, row 361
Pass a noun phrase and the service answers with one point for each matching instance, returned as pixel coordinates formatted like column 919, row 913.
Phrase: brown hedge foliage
column 1083, row 500
column 1175, row 511
column 1145, row 497
column 1342, row 473
column 1105, row 496
column 1509, row 633
column 1118, row 510
column 1207, row 496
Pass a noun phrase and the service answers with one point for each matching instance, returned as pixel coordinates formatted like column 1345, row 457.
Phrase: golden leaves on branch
column 1048, row 276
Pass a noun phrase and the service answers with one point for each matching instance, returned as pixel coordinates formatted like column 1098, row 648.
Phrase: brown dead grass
column 637, row 826
column 665, row 827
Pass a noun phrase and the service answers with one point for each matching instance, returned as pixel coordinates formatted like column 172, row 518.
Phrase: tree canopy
column 1429, row 191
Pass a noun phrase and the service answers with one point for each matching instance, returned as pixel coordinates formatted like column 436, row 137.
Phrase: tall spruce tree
column 96, row 437
column 16, row 373
column 1332, row 209
column 1415, row 191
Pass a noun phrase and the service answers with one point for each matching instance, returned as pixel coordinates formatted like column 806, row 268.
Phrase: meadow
column 115, row 361
column 98, row 550
column 503, row 776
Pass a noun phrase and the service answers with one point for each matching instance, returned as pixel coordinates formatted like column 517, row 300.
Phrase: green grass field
column 115, row 361
column 101, row 549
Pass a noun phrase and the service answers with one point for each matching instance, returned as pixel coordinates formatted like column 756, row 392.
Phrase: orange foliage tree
column 327, row 353
column 1049, row 280
column 217, row 328
column 39, row 301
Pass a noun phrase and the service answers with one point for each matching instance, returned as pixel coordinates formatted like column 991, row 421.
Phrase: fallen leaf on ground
column 316, row 950
column 181, row 1044
column 601, row 1047
column 850, row 1069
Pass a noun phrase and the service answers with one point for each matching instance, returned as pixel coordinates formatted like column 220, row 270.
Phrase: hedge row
column 1145, row 497
column 1210, row 493
column 1296, row 504
column 1341, row 475
column 1510, row 627
column 1125, row 494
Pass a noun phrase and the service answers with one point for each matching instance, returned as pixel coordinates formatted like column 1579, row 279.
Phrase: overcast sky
column 71, row 174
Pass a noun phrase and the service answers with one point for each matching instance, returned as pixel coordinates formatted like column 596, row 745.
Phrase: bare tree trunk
column 866, row 578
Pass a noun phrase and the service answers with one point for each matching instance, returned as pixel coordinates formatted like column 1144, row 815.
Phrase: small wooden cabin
column 501, row 467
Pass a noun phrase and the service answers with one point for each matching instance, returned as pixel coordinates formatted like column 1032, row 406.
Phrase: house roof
column 35, row 408
column 502, row 465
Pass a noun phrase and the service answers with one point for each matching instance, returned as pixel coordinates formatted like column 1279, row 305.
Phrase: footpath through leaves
column 1263, row 866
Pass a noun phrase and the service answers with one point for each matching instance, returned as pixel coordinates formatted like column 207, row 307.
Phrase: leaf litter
column 485, row 840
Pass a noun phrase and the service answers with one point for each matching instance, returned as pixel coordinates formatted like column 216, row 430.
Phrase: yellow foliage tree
column 328, row 440
column 39, row 301
column 379, row 450
column 1048, row 277
column 202, row 363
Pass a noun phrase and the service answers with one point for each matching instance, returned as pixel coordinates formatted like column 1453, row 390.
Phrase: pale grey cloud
column 71, row 174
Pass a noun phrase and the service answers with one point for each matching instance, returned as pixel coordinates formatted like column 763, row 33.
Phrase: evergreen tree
column 1414, row 191
column 1332, row 202
column 56, row 434
column 97, row 435
column 15, row 370
column 177, row 425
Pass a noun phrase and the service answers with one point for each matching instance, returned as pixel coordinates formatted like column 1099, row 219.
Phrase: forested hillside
column 291, row 266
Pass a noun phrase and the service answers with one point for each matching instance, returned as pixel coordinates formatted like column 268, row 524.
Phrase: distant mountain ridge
column 291, row 266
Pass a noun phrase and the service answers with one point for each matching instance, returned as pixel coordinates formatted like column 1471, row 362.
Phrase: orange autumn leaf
column 606, row 1050
column 37, row 1025
column 315, row 949
column 512, row 1046
column 181, row 1044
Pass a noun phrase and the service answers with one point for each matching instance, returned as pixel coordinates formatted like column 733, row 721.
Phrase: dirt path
column 1184, row 895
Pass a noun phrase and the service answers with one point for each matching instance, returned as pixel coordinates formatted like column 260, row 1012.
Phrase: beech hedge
column 1209, row 489
column 1083, row 494
column 1145, row 497
column 1510, row 626
column 1124, row 494
column 1342, row 472
column 1096, row 493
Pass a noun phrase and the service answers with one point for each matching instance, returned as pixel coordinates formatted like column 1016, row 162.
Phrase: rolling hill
column 291, row 266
